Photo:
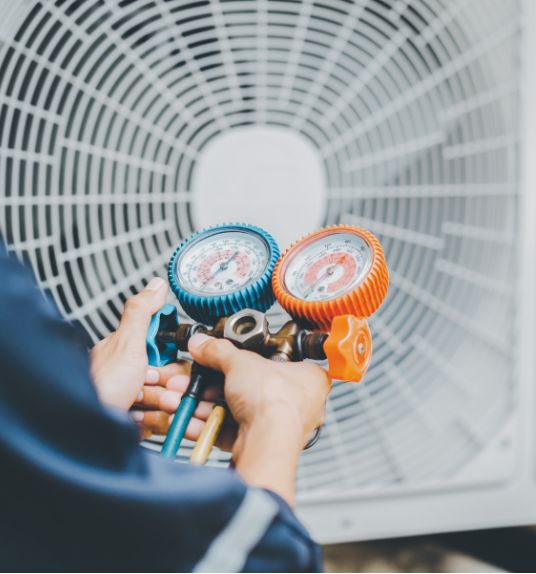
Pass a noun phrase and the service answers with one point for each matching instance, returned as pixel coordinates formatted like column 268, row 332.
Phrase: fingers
column 139, row 309
column 161, row 375
column 225, row 441
column 159, row 399
column 181, row 382
column 154, row 421
column 213, row 353
column 152, row 377
column 153, row 397
column 167, row 398
column 178, row 383
column 158, row 422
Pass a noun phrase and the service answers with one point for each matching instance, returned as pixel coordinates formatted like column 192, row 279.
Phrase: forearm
column 268, row 451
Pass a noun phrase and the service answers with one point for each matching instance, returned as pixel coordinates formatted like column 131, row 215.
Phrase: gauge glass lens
column 328, row 267
column 221, row 263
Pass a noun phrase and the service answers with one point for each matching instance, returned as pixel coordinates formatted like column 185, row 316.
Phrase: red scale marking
column 320, row 268
column 207, row 268
column 243, row 264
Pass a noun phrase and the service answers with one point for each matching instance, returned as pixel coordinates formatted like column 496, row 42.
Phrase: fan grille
column 107, row 106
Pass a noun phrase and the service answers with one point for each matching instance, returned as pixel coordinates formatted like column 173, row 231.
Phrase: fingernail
column 155, row 284
column 139, row 397
column 152, row 376
column 137, row 416
column 197, row 340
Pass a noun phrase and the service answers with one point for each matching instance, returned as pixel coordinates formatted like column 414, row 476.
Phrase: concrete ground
column 400, row 556
column 493, row 550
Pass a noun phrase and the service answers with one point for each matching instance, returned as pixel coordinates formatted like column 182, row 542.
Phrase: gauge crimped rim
column 362, row 301
column 208, row 309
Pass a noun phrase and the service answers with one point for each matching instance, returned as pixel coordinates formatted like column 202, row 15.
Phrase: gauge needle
column 222, row 267
column 329, row 271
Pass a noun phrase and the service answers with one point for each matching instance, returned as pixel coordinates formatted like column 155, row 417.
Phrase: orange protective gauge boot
column 338, row 270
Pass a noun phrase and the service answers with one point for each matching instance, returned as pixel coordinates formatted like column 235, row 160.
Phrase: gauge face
column 328, row 266
column 221, row 262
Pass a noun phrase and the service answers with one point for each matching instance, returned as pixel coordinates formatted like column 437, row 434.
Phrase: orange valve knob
column 348, row 348
column 335, row 271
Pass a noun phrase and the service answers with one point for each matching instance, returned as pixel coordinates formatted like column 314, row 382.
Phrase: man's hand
column 123, row 378
column 119, row 362
column 157, row 402
column 276, row 405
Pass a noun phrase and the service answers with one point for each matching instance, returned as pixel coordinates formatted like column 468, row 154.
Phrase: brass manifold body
column 348, row 347
column 249, row 329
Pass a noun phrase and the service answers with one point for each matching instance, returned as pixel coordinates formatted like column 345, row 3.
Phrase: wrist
column 268, row 448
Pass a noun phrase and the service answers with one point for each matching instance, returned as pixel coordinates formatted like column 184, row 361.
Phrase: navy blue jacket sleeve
column 77, row 492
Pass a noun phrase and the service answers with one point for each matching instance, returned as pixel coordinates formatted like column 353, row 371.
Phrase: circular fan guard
column 107, row 106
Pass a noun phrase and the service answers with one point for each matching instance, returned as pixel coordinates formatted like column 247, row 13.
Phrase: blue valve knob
column 222, row 270
column 160, row 352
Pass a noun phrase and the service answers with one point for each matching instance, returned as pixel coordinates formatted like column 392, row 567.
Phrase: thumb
column 140, row 308
column 213, row 353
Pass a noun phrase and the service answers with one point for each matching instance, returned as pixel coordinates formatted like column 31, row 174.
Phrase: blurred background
column 127, row 125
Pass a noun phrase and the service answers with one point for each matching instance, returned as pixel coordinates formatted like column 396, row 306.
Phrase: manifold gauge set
column 225, row 279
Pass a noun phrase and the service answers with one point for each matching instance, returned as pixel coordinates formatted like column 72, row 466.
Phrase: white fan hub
column 276, row 181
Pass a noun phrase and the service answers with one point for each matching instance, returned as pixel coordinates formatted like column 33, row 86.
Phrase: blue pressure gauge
column 222, row 270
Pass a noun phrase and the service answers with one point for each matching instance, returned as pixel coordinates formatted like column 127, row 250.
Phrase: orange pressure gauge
column 339, row 270
column 332, row 280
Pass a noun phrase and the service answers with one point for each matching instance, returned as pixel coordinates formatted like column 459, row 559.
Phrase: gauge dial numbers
column 221, row 263
column 328, row 267
column 222, row 270
column 337, row 270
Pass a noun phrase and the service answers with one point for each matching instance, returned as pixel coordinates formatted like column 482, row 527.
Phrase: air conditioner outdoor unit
column 125, row 126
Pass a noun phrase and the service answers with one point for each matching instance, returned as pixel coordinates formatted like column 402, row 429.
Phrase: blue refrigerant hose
column 179, row 425
column 194, row 393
